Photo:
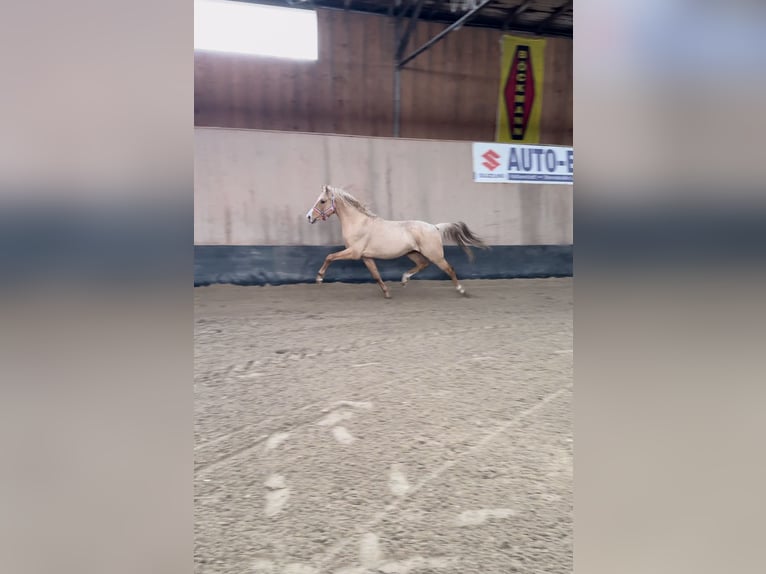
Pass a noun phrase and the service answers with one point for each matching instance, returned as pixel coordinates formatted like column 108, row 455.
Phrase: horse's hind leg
column 434, row 250
column 370, row 263
column 421, row 263
column 442, row 264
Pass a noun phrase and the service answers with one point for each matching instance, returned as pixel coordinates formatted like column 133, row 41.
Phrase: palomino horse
column 368, row 237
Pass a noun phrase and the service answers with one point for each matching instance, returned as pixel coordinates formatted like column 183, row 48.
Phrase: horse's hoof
column 387, row 295
column 319, row 280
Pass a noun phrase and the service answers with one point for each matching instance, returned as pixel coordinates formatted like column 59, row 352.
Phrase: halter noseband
column 325, row 213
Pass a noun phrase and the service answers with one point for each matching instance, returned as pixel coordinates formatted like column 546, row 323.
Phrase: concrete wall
column 254, row 188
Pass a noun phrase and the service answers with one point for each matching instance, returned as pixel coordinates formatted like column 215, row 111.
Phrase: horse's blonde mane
column 349, row 199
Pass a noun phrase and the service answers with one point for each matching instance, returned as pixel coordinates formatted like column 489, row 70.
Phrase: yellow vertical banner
column 520, row 101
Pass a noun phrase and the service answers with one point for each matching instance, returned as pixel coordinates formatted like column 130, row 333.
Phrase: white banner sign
column 502, row 163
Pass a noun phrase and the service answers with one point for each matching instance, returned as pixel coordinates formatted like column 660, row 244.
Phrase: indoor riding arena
column 338, row 431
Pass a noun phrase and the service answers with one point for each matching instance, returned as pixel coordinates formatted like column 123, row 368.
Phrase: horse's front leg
column 345, row 254
column 370, row 263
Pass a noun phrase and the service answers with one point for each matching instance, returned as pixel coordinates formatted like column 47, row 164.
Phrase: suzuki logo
column 491, row 158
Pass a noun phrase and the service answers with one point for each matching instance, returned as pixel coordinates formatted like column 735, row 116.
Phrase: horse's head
column 324, row 206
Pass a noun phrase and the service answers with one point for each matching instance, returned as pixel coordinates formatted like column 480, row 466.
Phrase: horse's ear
column 325, row 188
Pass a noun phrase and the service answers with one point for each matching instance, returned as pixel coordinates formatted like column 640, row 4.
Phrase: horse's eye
column 323, row 201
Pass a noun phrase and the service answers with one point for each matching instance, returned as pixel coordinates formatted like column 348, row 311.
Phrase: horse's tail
column 460, row 234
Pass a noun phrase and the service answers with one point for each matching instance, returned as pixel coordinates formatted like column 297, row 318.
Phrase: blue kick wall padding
column 281, row 265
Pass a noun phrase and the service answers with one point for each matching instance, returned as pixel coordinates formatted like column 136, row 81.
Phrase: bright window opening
column 243, row 28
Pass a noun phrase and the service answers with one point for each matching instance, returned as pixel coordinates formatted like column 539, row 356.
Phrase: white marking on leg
column 342, row 435
column 474, row 517
column 460, row 288
column 369, row 551
column 397, row 482
column 276, row 439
